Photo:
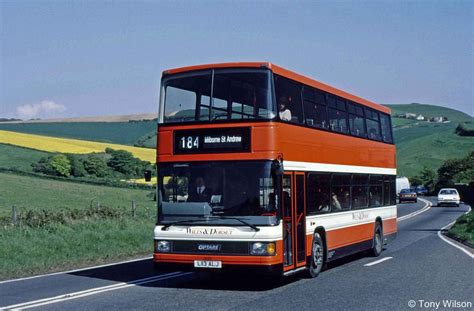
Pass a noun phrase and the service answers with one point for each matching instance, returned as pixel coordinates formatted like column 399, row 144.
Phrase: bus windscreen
column 230, row 189
column 226, row 94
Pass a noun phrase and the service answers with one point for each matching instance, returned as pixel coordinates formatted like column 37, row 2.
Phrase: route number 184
column 189, row 142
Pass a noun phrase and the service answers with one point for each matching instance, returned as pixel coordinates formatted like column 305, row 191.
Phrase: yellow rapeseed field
column 66, row 145
column 142, row 181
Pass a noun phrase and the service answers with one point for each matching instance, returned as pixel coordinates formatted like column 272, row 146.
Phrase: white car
column 448, row 196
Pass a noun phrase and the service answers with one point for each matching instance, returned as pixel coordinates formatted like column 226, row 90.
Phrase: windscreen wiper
column 242, row 221
column 183, row 222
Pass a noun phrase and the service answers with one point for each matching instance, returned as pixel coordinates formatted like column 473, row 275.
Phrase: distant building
column 410, row 115
column 420, row 117
column 438, row 119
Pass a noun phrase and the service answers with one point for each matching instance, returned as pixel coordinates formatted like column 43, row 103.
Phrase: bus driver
column 200, row 193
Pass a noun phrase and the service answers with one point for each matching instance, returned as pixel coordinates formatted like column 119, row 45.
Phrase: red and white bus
column 260, row 167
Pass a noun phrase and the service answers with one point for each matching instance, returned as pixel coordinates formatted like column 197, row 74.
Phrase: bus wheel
column 317, row 256
column 377, row 244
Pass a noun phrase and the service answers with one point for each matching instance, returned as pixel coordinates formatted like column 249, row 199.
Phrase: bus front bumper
column 264, row 264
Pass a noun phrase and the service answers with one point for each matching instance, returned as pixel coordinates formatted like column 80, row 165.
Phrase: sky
column 86, row 58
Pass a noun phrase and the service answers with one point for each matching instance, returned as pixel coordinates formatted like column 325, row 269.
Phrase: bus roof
column 287, row 74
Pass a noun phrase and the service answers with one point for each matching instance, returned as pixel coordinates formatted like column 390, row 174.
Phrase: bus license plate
column 207, row 264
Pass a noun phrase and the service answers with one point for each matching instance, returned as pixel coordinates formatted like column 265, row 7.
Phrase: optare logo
column 209, row 247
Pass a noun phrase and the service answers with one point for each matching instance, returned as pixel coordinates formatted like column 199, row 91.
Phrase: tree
column 77, row 166
column 55, row 165
column 43, row 166
column 61, row 165
column 124, row 162
column 456, row 170
column 416, row 181
column 96, row 165
column 428, row 178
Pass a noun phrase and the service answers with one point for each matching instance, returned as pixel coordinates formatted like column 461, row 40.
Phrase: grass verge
column 59, row 229
column 463, row 229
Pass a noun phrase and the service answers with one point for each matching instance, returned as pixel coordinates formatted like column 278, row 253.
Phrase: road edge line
column 90, row 291
column 447, row 240
column 76, row 270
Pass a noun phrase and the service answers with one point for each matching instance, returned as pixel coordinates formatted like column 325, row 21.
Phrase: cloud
column 44, row 109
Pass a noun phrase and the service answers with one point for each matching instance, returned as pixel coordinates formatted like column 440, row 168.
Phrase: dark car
column 408, row 195
column 421, row 190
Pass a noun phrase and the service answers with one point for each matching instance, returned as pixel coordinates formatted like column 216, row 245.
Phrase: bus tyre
column 317, row 256
column 377, row 243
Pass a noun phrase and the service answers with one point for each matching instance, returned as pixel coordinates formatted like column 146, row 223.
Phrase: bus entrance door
column 294, row 220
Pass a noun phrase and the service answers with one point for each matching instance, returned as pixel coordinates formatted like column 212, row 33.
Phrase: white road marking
column 445, row 239
column 92, row 291
column 377, row 261
column 75, row 270
column 418, row 212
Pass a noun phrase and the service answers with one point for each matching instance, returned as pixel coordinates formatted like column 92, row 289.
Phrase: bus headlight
column 263, row 248
column 162, row 246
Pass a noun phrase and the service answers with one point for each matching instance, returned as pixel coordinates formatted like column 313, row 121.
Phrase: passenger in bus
column 199, row 193
column 346, row 200
column 374, row 199
column 335, row 205
column 285, row 113
column 324, row 206
column 373, row 134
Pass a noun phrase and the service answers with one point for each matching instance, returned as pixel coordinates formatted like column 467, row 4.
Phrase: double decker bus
column 260, row 167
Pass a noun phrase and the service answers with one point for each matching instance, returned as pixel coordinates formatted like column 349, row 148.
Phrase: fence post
column 98, row 206
column 134, row 208
column 14, row 216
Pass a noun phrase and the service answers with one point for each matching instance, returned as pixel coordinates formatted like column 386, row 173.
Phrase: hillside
column 421, row 143
column 126, row 133
column 453, row 115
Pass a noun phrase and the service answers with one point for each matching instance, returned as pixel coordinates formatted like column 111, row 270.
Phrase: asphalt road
column 417, row 266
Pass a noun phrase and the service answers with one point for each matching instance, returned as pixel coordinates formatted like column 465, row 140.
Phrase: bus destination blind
column 215, row 140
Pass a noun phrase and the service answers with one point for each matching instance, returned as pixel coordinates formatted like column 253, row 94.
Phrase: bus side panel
column 302, row 144
column 352, row 228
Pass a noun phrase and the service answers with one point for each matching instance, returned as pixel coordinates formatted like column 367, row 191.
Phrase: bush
column 124, row 162
column 56, row 165
column 77, row 166
column 96, row 165
column 461, row 130
column 456, row 171
column 60, row 163
column 42, row 218
column 43, row 166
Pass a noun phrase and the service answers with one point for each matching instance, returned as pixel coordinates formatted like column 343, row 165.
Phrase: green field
column 61, row 226
column 126, row 133
column 40, row 193
column 18, row 158
column 421, row 143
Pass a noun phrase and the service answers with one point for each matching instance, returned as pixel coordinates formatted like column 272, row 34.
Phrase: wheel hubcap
column 317, row 254
column 378, row 241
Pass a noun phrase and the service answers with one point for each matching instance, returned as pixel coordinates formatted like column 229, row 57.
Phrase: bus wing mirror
column 147, row 175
